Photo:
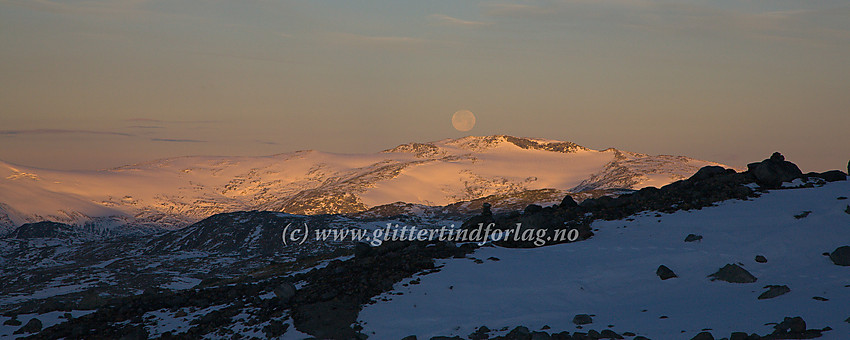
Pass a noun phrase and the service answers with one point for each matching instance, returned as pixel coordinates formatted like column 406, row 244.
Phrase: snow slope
column 177, row 191
column 612, row 276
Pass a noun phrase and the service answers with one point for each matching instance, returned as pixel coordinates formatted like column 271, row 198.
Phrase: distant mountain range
column 437, row 177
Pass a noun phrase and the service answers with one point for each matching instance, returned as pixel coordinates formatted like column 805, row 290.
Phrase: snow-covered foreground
column 612, row 276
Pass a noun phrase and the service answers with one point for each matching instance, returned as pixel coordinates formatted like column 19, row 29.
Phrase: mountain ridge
column 174, row 192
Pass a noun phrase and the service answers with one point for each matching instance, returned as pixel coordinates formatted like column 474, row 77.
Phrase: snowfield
column 612, row 276
column 176, row 192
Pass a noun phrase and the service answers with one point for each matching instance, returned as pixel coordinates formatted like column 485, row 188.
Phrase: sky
column 92, row 84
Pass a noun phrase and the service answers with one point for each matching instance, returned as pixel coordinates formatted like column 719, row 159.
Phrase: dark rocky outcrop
column 43, row 229
column 665, row 273
column 32, row 326
column 693, row 238
column 761, row 259
column 829, row 176
column 772, row 172
column 703, row 336
column 710, row 186
column 582, row 319
column 774, row 291
column 841, row 256
column 734, row 274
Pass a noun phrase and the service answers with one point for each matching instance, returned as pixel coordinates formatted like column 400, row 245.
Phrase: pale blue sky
column 94, row 84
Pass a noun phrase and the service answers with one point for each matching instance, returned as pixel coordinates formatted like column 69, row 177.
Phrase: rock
column 841, row 256
column 640, row 337
column 708, row 172
column 734, row 274
column 665, row 273
column 703, row 336
column 609, row 334
column 582, row 319
column 285, row 291
column 12, row 322
column 362, row 249
column 531, row 209
column 409, row 337
column 761, row 259
column 693, row 237
column 275, row 329
column 847, row 210
column 771, row 172
column 791, row 325
column 32, row 326
column 774, row 291
column 738, row 336
column 481, row 333
column 540, row 336
column 568, row 202
column 520, row 332
column 831, row 176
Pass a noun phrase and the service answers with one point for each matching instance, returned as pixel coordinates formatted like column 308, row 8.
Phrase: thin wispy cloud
column 448, row 20
column 95, row 7
column 177, row 140
column 60, row 132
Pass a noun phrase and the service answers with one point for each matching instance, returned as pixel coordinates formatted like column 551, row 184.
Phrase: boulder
column 582, row 319
column 693, row 237
column 774, row 291
column 830, row 176
column 33, row 326
column 568, row 202
column 707, row 172
column 841, row 256
column 761, row 259
column 734, row 274
column 703, row 336
column 665, row 273
column 285, row 291
column 772, row 172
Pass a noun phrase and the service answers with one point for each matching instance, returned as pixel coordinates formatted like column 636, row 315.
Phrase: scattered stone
column 791, row 325
column 693, row 237
column 520, row 332
column 409, row 337
column 285, row 291
column 774, row 291
column 180, row 313
column 703, row 336
column 665, row 273
column 582, row 319
column 481, row 333
column 540, row 336
column 609, row 334
column 820, row 298
column 802, row 214
column 734, row 274
column 831, row 176
column 761, row 259
column 12, row 322
column 841, row 256
column 32, row 326
column 847, row 210
column 841, row 198
column 738, row 336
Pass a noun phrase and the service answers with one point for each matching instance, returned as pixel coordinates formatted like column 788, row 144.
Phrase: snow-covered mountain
column 175, row 192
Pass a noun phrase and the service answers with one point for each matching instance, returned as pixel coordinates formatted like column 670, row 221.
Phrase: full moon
column 463, row 120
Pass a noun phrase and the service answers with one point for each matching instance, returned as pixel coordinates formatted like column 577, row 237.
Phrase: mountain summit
column 174, row 192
